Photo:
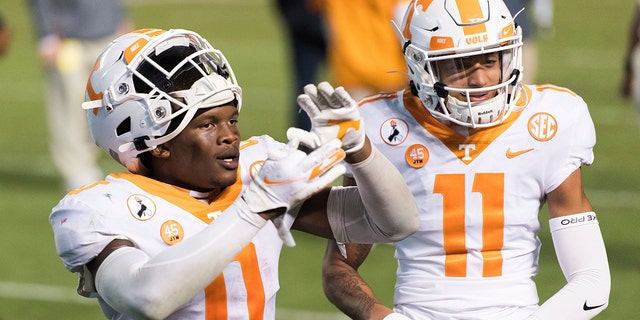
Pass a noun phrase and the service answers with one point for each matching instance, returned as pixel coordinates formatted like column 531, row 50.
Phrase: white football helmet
column 446, row 29
column 148, row 81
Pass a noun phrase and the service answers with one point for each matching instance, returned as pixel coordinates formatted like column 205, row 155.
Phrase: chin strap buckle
column 140, row 143
column 440, row 90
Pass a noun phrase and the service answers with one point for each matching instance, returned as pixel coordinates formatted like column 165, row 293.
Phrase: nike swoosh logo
column 507, row 31
column 585, row 307
column 332, row 160
column 277, row 182
column 513, row 154
column 316, row 171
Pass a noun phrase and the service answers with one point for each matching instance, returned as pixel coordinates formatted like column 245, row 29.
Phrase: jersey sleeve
column 577, row 140
column 79, row 232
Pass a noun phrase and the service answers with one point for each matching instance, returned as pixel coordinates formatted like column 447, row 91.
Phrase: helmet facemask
column 472, row 103
column 440, row 46
column 188, row 78
column 148, row 86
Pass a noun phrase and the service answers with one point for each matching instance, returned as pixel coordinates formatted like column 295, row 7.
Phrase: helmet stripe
column 135, row 47
column 406, row 32
column 91, row 93
column 471, row 15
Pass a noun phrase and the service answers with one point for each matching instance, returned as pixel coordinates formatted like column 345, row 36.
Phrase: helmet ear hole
column 124, row 127
column 414, row 89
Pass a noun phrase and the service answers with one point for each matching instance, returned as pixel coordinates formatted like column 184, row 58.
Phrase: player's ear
column 160, row 151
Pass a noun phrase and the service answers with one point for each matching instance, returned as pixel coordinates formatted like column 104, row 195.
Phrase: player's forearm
column 154, row 287
column 389, row 203
column 348, row 295
column 582, row 257
column 344, row 287
column 362, row 154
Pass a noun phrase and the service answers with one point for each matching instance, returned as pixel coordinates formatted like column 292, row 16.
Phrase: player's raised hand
column 333, row 114
column 290, row 176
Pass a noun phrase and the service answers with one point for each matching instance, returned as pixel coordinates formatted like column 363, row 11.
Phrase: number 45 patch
column 171, row 232
column 417, row 156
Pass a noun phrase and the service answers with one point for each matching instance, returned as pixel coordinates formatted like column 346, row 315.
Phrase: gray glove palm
column 333, row 114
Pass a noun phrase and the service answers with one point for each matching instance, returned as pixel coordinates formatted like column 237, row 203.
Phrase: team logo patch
column 141, row 207
column 417, row 156
column 394, row 131
column 542, row 126
column 171, row 232
column 254, row 168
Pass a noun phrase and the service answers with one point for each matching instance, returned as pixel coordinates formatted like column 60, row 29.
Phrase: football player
column 195, row 227
column 482, row 154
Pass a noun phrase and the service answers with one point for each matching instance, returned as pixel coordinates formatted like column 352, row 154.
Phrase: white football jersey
column 154, row 215
column 479, row 192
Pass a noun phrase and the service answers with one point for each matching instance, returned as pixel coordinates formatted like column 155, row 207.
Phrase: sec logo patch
column 542, row 126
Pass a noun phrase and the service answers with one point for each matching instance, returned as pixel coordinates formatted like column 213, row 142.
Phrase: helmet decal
column 135, row 47
column 508, row 31
column 471, row 15
column 406, row 31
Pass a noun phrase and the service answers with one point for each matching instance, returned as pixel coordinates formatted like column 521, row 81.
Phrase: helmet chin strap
column 441, row 90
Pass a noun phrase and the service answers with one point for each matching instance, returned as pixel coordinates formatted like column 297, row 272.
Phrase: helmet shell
column 447, row 29
column 146, row 79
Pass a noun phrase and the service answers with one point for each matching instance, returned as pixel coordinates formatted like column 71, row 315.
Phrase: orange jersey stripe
column 453, row 228
column 216, row 292
column 493, row 221
column 481, row 139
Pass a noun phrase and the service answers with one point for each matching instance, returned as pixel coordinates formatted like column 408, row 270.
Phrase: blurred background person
column 307, row 46
column 353, row 39
column 5, row 36
column 71, row 34
column 362, row 46
column 535, row 20
column 630, row 86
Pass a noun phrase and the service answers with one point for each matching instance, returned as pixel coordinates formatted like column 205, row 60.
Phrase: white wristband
column 573, row 220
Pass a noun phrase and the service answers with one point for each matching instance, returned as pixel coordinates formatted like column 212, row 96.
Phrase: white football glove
column 283, row 231
column 396, row 316
column 290, row 176
column 333, row 114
